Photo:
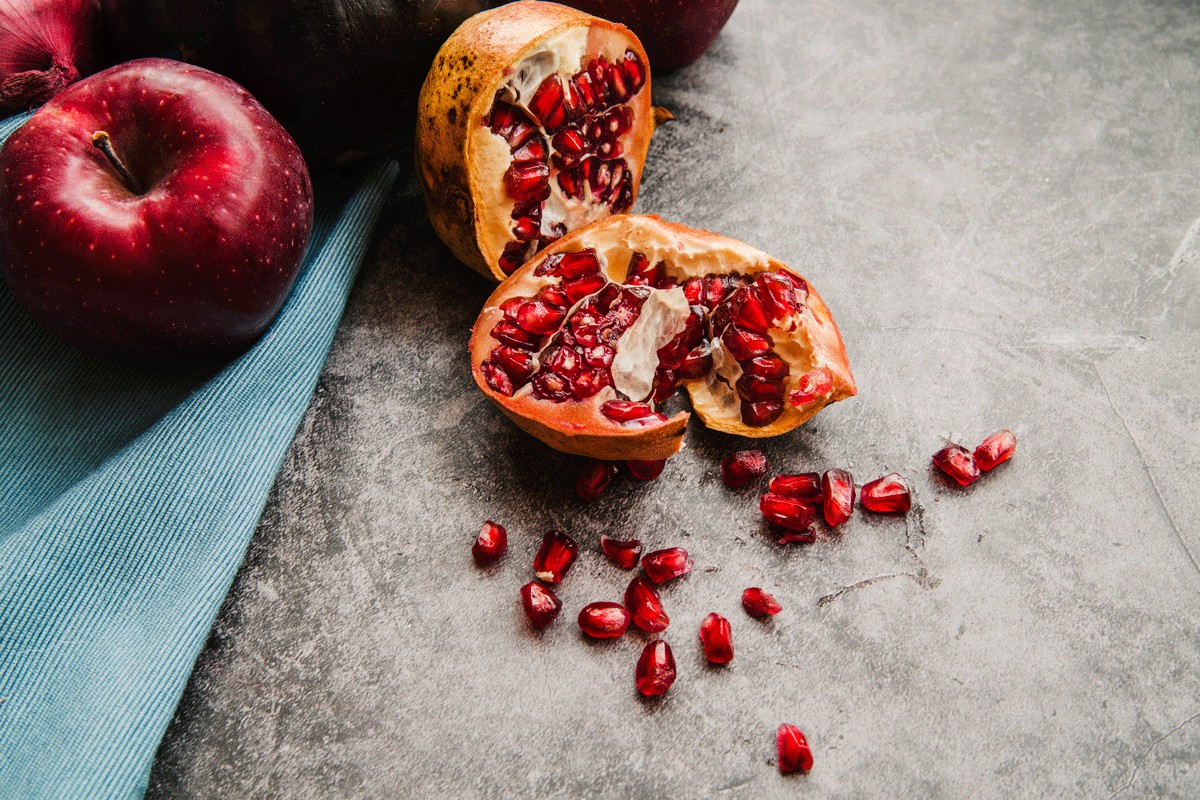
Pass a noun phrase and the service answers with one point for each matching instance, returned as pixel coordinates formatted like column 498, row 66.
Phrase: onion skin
column 342, row 76
column 45, row 46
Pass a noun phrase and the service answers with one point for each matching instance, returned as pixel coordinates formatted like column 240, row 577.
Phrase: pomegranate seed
column 760, row 604
column 666, row 565
column 806, row 536
column 779, row 295
column 693, row 290
column 497, row 378
column 546, row 103
column 508, row 333
column 811, row 386
column 744, row 467
column 788, row 512
column 538, row 317
column 570, row 142
column 626, row 410
column 635, row 71
column 510, row 306
column 760, row 414
column 576, row 265
column 697, row 364
column 958, row 463
column 490, row 545
column 541, row 604
column 887, row 495
column 525, row 179
column 757, row 390
column 646, row 470
column 533, row 150
column 749, row 311
column 645, row 606
column 996, row 449
column 555, row 557
column 717, row 639
column 837, row 486
column 594, row 478
column 623, row 552
column 772, row 368
column 805, row 486
column 581, row 287
column 526, row 229
column 603, row 620
column 794, row 753
column 744, row 345
column 553, row 296
column 655, row 669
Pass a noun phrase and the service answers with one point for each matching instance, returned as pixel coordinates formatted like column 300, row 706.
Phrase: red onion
column 45, row 45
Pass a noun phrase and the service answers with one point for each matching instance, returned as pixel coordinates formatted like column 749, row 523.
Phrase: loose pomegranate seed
column 646, row 470
column 788, row 512
column 958, row 463
column 717, row 639
column 490, row 544
column 645, row 606
column 556, row 555
column 837, row 486
column 665, row 565
column 794, row 752
column 996, row 449
column 811, row 386
column 887, row 495
column 655, row 669
column 806, row 536
column 604, row 620
column 594, row 478
column 743, row 467
column 760, row 604
column 541, row 604
column 624, row 553
column 805, row 486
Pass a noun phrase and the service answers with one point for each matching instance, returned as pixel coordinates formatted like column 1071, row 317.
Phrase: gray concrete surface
column 998, row 200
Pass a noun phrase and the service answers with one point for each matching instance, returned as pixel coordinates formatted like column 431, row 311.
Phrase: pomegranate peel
column 534, row 120
column 651, row 306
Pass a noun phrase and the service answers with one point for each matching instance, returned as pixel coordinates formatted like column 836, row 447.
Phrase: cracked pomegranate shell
column 583, row 345
column 534, row 121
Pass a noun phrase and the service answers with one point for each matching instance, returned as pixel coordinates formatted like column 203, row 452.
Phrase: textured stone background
column 997, row 201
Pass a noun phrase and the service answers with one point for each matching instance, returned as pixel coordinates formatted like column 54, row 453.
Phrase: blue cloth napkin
column 128, row 496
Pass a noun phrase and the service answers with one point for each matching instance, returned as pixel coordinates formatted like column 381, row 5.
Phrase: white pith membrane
column 806, row 339
column 564, row 53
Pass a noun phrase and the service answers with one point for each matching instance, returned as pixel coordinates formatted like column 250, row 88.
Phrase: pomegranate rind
column 468, row 213
column 579, row 427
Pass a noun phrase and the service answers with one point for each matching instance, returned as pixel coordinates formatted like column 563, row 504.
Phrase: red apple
column 674, row 32
column 153, row 208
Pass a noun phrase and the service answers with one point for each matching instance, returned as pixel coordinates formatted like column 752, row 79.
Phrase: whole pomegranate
column 534, row 121
column 582, row 345
column 676, row 32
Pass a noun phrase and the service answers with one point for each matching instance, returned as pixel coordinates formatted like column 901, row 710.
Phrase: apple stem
column 103, row 143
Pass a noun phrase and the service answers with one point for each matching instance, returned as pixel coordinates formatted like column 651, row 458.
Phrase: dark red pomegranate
column 837, row 491
column 794, row 752
column 744, row 467
column 887, row 495
column 666, row 565
column 760, row 604
column 996, row 449
column 623, row 552
column 957, row 463
column 541, row 604
column 490, row 544
column 645, row 607
column 534, row 121
column 787, row 512
column 583, row 344
column 603, row 620
column 676, row 32
column 805, row 486
column 655, row 669
column 717, row 639
column 556, row 555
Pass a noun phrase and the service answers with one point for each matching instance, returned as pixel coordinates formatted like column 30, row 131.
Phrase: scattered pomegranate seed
column 665, row 565
column 655, row 669
column 996, row 449
column 646, row 470
column 743, row 467
column 490, row 544
column 645, row 607
column 837, row 486
column 887, row 495
column 604, row 620
column 804, row 486
column 806, row 536
column 794, row 753
column 717, row 639
column 623, row 552
column 760, row 604
column 556, row 555
column 594, row 478
column 541, row 604
column 786, row 511
column 958, row 463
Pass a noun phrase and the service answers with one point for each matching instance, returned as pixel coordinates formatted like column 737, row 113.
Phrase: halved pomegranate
column 534, row 121
column 582, row 345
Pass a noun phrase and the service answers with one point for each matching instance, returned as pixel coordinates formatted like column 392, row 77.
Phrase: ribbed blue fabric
column 129, row 496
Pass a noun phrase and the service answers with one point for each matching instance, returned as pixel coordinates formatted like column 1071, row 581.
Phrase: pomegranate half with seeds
column 583, row 344
column 534, row 121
